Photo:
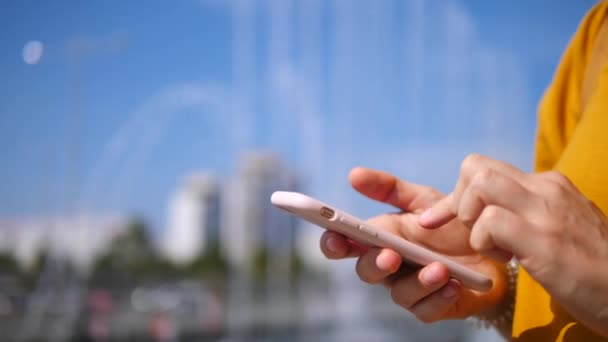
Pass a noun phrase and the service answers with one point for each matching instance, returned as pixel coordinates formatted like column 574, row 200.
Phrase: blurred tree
column 10, row 271
column 210, row 262
column 40, row 262
column 9, row 265
column 131, row 257
column 297, row 266
column 210, row 267
column 260, row 263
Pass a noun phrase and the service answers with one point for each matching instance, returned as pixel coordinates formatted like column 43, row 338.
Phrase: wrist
column 501, row 314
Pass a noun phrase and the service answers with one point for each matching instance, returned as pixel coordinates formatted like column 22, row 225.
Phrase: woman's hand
column 557, row 235
column 429, row 293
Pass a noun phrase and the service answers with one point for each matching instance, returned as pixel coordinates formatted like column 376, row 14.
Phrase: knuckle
column 555, row 191
column 470, row 162
column 491, row 213
column 553, row 230
column 557, row 177
column 401, row 298
column 483, row 178
column 470, row 211
column 466, row 216
column 481, row 182
column 549, row 233
column 479, row 234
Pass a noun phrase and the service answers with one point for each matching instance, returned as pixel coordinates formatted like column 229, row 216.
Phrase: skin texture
column 542, row 219
column 427, row 292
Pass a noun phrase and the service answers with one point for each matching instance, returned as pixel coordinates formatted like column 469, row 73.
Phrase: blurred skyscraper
column 252, row 224
column 194, row 218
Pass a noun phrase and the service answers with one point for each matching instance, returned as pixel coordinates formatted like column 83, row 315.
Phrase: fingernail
column 431, row 275
column 426, row 215
column 450, row 290
column 333, row 245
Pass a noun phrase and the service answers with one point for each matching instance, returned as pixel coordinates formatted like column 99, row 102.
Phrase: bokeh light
column 32, row 52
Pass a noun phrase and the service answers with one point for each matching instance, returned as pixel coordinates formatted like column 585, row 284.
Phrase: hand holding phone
column 360, row 231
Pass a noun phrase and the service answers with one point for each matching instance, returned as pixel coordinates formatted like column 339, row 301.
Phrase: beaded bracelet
column 506, row 314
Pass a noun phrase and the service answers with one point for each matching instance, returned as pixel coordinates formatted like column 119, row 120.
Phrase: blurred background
column 141, row 141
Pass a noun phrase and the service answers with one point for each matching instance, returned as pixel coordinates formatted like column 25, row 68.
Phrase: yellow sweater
column 574, row 142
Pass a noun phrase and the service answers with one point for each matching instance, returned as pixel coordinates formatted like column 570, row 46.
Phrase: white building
column 251, row 221
column 193, row 218
column 78, row 239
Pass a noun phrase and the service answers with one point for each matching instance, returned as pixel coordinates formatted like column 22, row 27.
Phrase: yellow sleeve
column 576, row 144
column 559, row 111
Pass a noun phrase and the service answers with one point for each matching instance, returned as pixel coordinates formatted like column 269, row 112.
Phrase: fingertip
column 426, row 218
column 356, row 171
column 437, row 215
column 451, row 290
column 333, row 245
column 357, row 176
column 328, row 233
column 388, row 261
column 434, row 275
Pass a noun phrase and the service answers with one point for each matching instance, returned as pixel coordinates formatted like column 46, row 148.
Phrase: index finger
column 488, row 187
column 439, row 214
column 386, row 188
column 446, row 209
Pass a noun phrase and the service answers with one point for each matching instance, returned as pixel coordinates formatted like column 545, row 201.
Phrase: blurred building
column 194, row 218
column 78, row 239
column 252, row 223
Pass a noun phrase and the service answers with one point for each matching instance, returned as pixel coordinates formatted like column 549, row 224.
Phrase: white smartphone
column 358, row 230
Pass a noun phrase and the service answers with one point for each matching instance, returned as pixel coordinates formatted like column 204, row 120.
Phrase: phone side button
column 368, row 231
column 347, row 221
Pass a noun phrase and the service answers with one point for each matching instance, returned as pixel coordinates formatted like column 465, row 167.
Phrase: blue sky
column 164, row 88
